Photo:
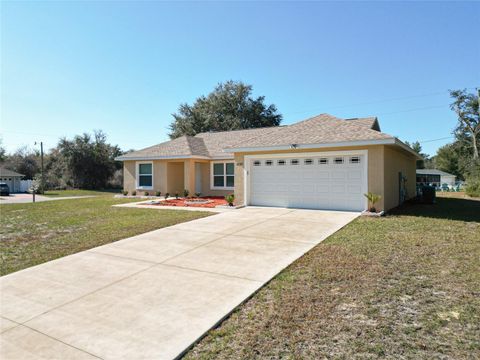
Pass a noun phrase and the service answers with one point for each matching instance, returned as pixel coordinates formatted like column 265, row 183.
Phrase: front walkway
column 151, row 296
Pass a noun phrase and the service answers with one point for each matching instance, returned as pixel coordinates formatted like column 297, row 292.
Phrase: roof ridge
column 229, row 131
column 313, row 117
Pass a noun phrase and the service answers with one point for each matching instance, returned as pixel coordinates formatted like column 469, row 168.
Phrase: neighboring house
column 321, row 163
column 434, row 177
column 11, row 178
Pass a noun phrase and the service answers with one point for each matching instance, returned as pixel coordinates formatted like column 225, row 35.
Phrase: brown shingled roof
column 321, row 129
column 216, row 142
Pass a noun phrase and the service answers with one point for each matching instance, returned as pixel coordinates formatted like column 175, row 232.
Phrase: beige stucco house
column 320, row 163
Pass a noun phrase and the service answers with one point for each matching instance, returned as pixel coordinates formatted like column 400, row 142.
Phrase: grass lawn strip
column 76, row 192
column 403, row 286
column 35, row 233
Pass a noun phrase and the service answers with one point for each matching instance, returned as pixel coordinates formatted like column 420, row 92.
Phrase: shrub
column 125, row 192
column 372, row 199
column 230, row 199
column 186, row 193
column 146, row 193
column 134, row 193
column 158, row 193
column 197, row 194
column 166, row 196
column 176, row 195
column 473, row 187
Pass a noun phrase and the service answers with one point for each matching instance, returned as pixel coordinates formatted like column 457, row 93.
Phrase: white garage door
column 318, row 182
column 9, row 182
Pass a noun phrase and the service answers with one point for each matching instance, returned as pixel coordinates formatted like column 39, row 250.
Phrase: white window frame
column 137, row 185
column 225, row 187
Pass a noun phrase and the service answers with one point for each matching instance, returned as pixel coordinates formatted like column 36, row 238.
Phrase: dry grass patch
column 403, row 286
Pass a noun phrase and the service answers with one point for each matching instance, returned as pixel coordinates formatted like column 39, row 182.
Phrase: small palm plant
column 372, row 199
column 230, row 199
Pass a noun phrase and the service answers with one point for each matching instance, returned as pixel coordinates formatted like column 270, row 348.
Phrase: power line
column 379, row 101
column 444, row 138
column 415, row 109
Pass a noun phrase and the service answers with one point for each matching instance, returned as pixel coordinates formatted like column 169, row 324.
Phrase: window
column 268, row 162
column 294, row 162
column 145, row 176
column 223, row 175
column 308, row 161
column 338, row 160
column 323, row 161
column 257, row 163
column 355, row 160
column 281, row 162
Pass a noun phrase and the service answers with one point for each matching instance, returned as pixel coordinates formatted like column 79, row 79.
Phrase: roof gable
column 369, row 122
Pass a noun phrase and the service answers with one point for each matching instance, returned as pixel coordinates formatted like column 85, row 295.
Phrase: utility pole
column 41, row 188
column 41, row 165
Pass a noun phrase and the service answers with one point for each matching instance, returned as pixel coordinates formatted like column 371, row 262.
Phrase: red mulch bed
column 215, row 201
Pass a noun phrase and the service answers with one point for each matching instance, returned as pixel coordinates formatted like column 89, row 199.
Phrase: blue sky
column 124, row 67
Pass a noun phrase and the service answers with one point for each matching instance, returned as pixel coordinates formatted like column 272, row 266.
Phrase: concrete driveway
column 151, row 296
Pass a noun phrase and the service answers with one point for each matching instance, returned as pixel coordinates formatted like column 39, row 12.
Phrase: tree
column 417, row 147
column 229, row 106
column 24, row 161
column 466, row 107
column 3, row 152
column 448, row 159
column 89, row 161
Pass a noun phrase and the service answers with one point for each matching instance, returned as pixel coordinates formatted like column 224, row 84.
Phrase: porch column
column 189, row 175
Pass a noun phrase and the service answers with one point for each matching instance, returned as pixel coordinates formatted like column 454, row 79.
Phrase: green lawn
column 77, row 192
column 403, row 286
column 34, row 233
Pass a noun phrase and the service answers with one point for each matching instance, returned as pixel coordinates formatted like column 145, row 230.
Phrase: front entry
column 198, row 177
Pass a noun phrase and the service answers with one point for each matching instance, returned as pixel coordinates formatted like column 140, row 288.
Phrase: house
column 320, row 163
column 11, row 178
column 434, row 177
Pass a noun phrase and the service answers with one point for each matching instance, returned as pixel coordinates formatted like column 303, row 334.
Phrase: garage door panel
column 354, row 175
column 354, row 189
column 338, row 188
column 322, row 175
column 308, row 188
column 282, row 188
column 338, row 175
column 309, row 174
column 334, row 186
